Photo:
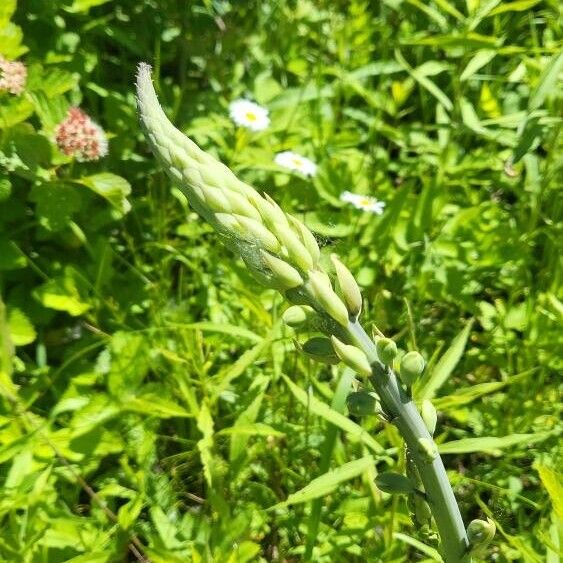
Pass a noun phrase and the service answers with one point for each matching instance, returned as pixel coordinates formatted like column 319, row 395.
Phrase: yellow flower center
column 251, row 116
column 297, row 162
column 365, row 202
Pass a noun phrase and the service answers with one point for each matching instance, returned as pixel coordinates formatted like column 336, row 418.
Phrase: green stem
column 405, row 416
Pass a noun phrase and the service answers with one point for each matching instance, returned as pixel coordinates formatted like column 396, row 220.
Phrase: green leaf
column 255, row 429
column 56, row 204
column 129, row 353
column 423, row 548
column 111, row 187
column 62, row 294
column 394, row 483
column 226, row 376
column 553, row 484
column 81, row 6
column 150, row 404
column 547, row 82
column 10, row 256
column 491, row 445
column 425, row 82
column 205, row 445
column 11, row 37
column 21, row 329
column 129, row 512
column 445, row 365
column 325, row 484
column 324, row 411
column 518, row 6
column 482, row 58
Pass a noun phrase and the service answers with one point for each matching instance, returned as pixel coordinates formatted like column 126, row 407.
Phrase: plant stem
column 404, row 415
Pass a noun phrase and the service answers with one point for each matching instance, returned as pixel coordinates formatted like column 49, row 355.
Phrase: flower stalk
column 283, row 254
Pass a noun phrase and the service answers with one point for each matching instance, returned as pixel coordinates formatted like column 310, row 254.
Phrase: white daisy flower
column 248, row 114
column 294, row 161
column 364, row 202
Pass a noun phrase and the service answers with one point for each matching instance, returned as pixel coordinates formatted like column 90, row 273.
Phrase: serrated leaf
column 56, row 204
column 62, row 294
column 111, row 187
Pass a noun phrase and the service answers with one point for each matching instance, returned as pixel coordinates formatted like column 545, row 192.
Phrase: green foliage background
column 155, row 405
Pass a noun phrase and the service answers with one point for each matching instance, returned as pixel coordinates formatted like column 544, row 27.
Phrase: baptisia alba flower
column 364, row 202
column 249, row 115
column 77, row 135
column 13, row 76
column 294, row 161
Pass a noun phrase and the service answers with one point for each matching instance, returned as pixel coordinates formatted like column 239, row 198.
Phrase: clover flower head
column 77, row 135
column 249, row 115
column 364, row 202
column 13, row 76
column 297, row 162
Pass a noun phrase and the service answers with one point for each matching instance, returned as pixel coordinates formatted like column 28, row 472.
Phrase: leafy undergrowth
column 152, row 403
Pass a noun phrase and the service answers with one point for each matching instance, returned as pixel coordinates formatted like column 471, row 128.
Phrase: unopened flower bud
column 284, row 276
column 254, row 231
column 348, row 287
column 322, row 291
column 353, row 357
column 427, row 449
column 429, row 415
column 297, row 315
column 412, row 366
column 295, row 249
column 480, row 534
column 307, row 238
column 386, row 350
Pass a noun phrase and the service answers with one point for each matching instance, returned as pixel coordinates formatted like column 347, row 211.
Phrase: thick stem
column 405, row 416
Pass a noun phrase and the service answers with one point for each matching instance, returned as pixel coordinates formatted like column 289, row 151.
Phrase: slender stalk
column 405, row 416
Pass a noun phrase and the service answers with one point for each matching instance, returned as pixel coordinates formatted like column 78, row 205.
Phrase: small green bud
column 429, row 415
column 307, row 238
column 427, row 449
column 419, row 509
column 348, row 287
column 386, row 350
column 217, row 200
column 242, row 206
column 321, row 350
column 294, row 248
column 284, row 276
column 297, row 315
column 227, row 224
column 255, row 232
column 480, row 534
column 271, row 213
column 412, row 365
column 322, row 291
column 362, row 403
column 394, row 483
column 353, row 357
